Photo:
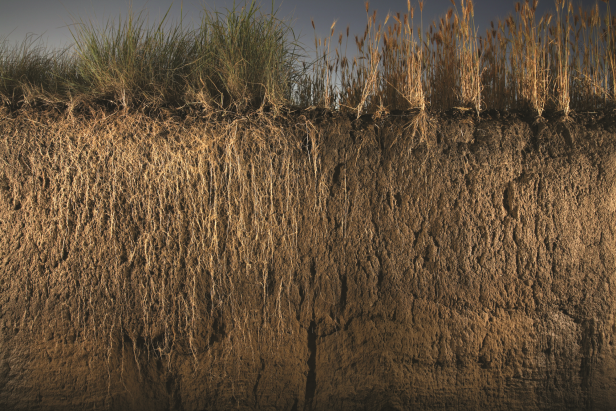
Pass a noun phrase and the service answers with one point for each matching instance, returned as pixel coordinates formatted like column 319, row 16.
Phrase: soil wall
column 473, row 269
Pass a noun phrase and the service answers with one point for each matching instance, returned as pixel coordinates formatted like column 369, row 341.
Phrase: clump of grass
column 495, row 71
column 469, row 58
column 402, row 64
column 414, row 88
column 443, row 65
column 249, row 58
column 130, row 65
column 391, row 77
column 561, row 35
column 593, row 60
column 239, row 61
column 529, row 59
column 29, row 72
column 372, row 38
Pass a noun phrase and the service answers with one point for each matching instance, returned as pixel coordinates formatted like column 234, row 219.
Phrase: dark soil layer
column 473, row 270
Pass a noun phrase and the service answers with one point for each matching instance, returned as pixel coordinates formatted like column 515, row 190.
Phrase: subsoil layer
column 474, row 269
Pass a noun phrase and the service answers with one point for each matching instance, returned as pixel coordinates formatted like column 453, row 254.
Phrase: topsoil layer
column 475, row 269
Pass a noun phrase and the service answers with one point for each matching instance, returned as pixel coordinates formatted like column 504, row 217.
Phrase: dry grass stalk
column 494, row 72
column 610, row 77
column 561, row 37
column 373, row 56
column 530, row 64
column 469, row 58
column 402, row 64
column 442, row 64
column 600, row 57
column 319, row 87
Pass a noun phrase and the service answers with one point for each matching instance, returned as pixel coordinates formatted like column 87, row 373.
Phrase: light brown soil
column 473, row 270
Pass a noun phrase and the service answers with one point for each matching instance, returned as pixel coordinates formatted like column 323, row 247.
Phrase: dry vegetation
column 565, row 61
column 561, row 62
column 183, row 206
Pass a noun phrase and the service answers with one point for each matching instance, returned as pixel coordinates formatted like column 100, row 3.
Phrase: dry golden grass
column 558, row 63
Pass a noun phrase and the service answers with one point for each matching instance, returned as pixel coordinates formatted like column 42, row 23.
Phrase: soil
column 475, row 269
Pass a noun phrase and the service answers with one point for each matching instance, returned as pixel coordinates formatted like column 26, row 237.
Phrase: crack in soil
column 311, row 379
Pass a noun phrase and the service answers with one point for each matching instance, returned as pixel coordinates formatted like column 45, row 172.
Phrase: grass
column 246, row 60
column 238, row 61
column 562, row 62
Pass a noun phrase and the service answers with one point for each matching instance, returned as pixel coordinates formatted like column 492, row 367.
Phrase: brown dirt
column 472, row 270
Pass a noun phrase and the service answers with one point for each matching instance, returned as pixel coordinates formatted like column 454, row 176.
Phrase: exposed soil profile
column 314, row 262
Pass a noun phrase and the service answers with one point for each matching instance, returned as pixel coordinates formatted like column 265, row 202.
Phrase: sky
column 51, row 19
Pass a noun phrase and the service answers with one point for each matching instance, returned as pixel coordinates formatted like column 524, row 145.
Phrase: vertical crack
column 343, row 294
column 311, row 379
column 256, row 387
